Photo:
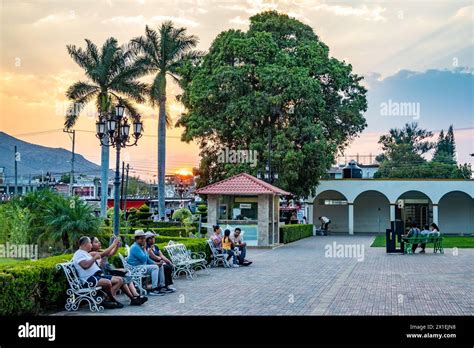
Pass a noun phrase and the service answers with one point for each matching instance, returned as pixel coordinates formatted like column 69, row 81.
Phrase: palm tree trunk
column 104, row 180
column 162, row 148
column 104, row 161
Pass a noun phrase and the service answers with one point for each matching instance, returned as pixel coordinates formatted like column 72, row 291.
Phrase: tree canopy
column 403, row 155
column 275, row 79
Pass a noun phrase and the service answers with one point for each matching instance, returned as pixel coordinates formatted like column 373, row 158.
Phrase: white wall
column 371, row 213
column 456, row 208
column 456, row 214
column 338, row 214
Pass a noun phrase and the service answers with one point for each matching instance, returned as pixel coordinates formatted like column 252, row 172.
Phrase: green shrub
column 33, row 287
column 291, row 233
column 169, row 231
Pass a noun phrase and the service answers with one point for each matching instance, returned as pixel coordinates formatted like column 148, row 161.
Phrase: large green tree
column 403, row 155
column 277, row 79
column 111, row 76
column 161, row 52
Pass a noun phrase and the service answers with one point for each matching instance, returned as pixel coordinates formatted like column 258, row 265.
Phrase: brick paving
column 298, row 279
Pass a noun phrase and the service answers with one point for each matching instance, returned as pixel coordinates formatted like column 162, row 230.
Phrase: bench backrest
column 177, row 252
column 213, row 248
column 124, row 261
column 71, row 274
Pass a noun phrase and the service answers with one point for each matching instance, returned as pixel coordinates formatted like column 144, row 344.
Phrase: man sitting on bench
column 139, row 257
column 236, row 239
column 161, row 260
column 89, row 271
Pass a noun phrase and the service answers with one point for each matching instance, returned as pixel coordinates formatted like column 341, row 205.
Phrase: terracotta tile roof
column 241, row 184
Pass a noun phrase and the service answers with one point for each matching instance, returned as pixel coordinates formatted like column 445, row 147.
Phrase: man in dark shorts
column 91, row 274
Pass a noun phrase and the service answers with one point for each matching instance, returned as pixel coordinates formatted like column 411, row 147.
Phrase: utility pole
column 125, row 194
column 17, row 158
column 71, row 176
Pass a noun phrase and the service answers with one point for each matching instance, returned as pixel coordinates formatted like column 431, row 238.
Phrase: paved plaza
column 301, row 279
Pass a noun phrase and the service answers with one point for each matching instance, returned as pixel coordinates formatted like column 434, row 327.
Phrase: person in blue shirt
column 139, row 257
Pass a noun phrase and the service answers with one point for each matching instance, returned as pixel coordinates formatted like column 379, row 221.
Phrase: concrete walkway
column 330, row 275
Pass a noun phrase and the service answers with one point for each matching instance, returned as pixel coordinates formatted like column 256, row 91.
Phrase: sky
column 416, row 53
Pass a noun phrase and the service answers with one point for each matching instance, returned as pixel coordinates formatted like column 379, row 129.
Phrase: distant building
column 369, row 205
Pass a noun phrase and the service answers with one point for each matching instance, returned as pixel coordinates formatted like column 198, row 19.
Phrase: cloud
column 180, row 20
column 364, row 12
column 140, row 19
column 239, row 21
column 55, row 18
column 125, row 20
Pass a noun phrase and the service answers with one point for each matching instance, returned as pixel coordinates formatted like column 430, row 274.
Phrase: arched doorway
column 456, row 213
column 414, row 207
column 333, row 205
column 371, row 212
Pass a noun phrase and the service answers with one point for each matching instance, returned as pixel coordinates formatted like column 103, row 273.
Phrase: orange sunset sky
column 376, row 37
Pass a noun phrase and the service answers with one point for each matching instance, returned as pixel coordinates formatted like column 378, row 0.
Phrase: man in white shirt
column 324, row 223
column 89, row 272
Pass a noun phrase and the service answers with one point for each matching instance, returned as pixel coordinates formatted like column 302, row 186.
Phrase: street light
column 116, row 128
column 268, row 175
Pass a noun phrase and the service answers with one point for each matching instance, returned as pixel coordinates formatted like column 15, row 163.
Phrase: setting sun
column 184, row 172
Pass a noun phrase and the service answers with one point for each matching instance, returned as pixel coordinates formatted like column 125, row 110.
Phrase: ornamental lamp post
column 116, row 128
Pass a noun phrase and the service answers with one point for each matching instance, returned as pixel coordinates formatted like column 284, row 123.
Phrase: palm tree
column 68, row 220
column 111, row 77
column 162, row 52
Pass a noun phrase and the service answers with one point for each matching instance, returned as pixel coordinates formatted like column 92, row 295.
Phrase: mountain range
column 37, row 159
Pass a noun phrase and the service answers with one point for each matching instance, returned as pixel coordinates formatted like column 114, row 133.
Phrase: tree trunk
column 104, row 164
column 162, row 147
column 104, row 179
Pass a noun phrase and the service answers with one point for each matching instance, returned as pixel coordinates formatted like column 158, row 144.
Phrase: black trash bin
column 392, row 235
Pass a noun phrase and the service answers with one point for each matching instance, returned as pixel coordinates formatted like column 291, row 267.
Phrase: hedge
column 291, row 233
column 33, row 287
column 168, row 231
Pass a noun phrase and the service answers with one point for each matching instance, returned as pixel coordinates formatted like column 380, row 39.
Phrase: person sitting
column 217, row 237
column 413, row 231
column 90, row 273
column 139, row 257
column 236, row 239
column 425, row 232
column 161, row 260
column 128, row 288
column 228, row 248
column 434, row 229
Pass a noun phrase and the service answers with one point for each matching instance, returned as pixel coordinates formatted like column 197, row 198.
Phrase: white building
column 368, row 205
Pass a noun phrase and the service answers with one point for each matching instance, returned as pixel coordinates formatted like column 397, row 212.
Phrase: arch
column 456, row 213
column 414, row 194
column 326, row 204
column 417, row 208
column 371, row 212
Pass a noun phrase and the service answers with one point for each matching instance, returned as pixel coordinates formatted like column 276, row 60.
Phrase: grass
column 448, row 242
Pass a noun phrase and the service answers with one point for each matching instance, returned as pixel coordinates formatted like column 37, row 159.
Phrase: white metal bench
column 137, row 273
column 217, row 256
column 185, row 261
column 79, row 291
